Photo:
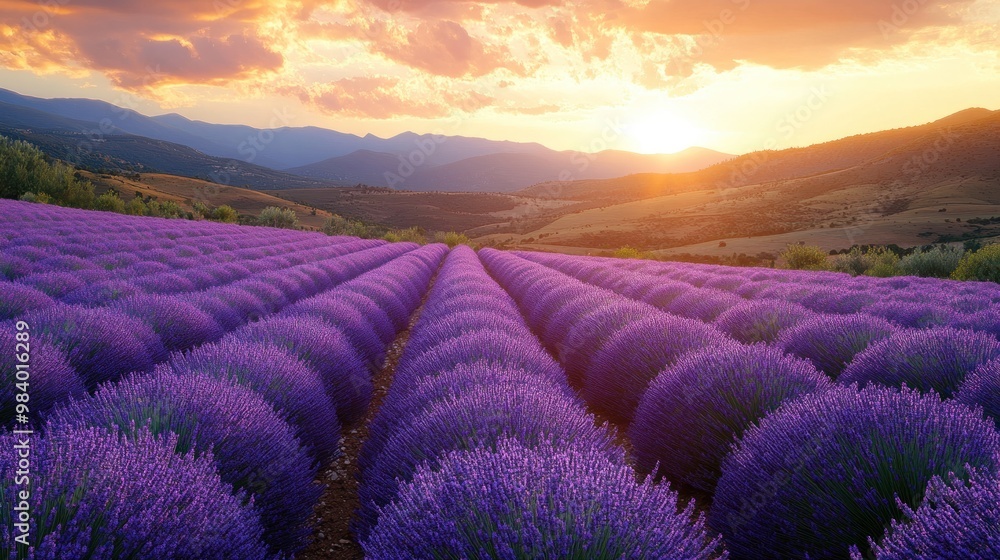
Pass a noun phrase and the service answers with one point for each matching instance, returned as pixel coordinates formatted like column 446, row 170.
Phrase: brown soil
column 332, row 537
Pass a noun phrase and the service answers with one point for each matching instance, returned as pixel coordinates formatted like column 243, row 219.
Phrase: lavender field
column 179, row 389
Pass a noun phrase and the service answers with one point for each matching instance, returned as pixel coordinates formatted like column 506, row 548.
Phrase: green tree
column 983, row 265
column 136, row 207
column 24, row 168
column 629, row 252
column 412, row 234
column 803, row 257
column 110, row 202
column 225, row 213
column 273, row 216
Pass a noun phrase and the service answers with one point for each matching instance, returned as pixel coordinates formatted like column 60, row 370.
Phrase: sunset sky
column 649, row 76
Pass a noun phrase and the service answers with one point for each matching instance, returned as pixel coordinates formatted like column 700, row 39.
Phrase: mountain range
column 101, row 135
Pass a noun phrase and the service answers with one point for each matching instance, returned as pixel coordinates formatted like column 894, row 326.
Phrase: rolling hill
column 317, row 156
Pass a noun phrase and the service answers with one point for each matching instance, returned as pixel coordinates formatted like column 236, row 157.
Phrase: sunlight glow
column 663, row 132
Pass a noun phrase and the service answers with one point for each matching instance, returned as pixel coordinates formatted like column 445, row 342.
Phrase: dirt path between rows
column 332, row 537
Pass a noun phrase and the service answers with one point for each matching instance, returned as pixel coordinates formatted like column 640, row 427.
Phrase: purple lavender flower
column 402, row 406
column 179, row 324
column 50, row 377
column 823, row 472
column 100, row 495
column 356, row 326
column 16, row 299
column 280, row 377
column 982, row 388
column 830, row 342
column 704, row 304
column 762, row 320
column 697, row 408
column 53, row 284
column 489, row 347
column 344, row 374
column 957, row 519
column 633, row 356
column 512, row 501
column 458, row 325
column 932, row 359
column 101, row 345
column 474, row 419
column 910, row 314
column 254, row 449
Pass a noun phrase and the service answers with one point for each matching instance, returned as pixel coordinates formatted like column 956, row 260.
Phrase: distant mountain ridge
column 318, row 156
column 852, row 153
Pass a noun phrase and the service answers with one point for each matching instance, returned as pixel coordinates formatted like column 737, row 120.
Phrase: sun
column 663, row 132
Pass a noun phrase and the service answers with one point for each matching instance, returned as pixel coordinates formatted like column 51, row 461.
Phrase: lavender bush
column 824, row 472
column 254, row 449
column 550, row 502
column 99, row 495
column 696, row 409
column 930, row 360
column 830, row 342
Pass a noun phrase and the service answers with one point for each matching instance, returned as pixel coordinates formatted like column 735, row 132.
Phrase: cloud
column 383, row 97
column 807, row 34
column 142, row 45
column 445, row 48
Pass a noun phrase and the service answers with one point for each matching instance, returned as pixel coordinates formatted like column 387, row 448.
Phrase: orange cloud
column 382, row 97
column 141, row 45
column 806, row 34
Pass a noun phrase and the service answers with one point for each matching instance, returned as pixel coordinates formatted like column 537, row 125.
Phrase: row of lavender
column 482, row 450
column 795, row 463
column 926, row 333
column 212, row 453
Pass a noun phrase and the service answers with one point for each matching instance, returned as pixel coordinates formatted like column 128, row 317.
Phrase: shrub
column 452, row 239
column 910, row 314
column 403, row 406
column 41, row 198
column 937, row 262
column 136, row 207
column 282, row 379
column 344, row 375
column 272, row 216
column 957, row 519
column 100, row 344
column 830, row 342
column 412, row 234
column 704, row 304
column 230, row 306
column 590, row 329
column 633, row 356
column 477, row 418
column 179, row 324
column 457, row 325
column 932, row 359
column 628, row 252
column 355, row 325
column 109, row 202
column 226, row 214
column 803, row 257
column 497, row 348
column 51, row 379
column 97, row 495
column 824, row 472
column 982, row 388
column 696, row 409
column 255, row 450
column 762, row 320
column 26, row 169
column 16, row 299
column 545, row 503
column 983, row 265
